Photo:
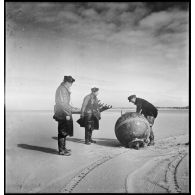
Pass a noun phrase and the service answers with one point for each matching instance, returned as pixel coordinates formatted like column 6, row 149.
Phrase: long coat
column 90, row 111
column 63, row 108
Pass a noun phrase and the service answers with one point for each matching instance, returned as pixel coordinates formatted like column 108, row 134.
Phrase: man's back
column 147, row 108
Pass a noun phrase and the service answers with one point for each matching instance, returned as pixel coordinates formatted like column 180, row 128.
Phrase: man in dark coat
column 63, row 114
column 148, row 110
column 90, row 114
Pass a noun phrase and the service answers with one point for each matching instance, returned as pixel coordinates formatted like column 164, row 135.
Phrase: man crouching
column 148, row 110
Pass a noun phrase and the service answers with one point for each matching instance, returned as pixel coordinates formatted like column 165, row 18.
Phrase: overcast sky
column 122, row 48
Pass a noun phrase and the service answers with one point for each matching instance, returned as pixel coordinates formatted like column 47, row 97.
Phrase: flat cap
column 94, row 89
column 69, row 79
column 131, row 97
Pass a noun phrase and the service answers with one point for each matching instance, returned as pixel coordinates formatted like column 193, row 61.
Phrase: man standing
column 148, row 110
column 63, row 114
column 90, row 114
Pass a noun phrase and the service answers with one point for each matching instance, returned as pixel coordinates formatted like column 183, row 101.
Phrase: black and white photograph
column 97, row 97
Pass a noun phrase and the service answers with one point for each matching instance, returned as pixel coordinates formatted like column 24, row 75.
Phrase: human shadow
column 99, row 141
column 73, row 139
column 38, row 148
column 55, row 138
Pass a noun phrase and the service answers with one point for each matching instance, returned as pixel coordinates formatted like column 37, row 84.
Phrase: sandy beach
column 125, row 56
column 33, row 164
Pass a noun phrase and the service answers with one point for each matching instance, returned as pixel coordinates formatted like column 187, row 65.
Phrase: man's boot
column 87, row 136
column 67, row 149
column 61, row 147
column 90, row 137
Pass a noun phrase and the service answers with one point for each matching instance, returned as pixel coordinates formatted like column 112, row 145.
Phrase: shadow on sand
column 99, row 141
column 72, row 139
column 38, row 148
column 108, row 142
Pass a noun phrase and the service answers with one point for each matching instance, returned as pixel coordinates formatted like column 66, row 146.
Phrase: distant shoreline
column 109, row 110
column 130, row 108
column 159, row 108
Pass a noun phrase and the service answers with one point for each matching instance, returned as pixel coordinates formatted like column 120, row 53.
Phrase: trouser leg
column 90, row 137
column 62, row 134
column 91, row 127
column 61, row 143
column 151, row 136
column 151, row 122
column 66, row 149
column 88, row 128
column 87, row 135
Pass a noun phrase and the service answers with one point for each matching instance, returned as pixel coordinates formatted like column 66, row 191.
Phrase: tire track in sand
column 141, row 178
column 81, row 175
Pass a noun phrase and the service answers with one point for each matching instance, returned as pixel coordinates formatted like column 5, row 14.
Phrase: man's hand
column 68, row 118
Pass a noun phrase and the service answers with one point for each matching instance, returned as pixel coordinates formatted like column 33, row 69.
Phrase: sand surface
column 33, row 164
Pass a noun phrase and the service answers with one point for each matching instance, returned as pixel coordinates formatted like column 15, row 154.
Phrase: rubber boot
column 61, row 147
column 90, row 137
column 87, row 135
column 67, row 149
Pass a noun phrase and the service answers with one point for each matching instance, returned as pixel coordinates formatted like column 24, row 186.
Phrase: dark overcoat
column 90, row 112
column 62, row 109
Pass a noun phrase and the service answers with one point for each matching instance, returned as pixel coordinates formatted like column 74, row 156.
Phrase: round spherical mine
column 130, row 126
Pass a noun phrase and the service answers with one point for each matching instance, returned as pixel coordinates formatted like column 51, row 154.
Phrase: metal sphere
column 131, row 126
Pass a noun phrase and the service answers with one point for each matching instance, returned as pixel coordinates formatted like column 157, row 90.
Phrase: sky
column 122, row 48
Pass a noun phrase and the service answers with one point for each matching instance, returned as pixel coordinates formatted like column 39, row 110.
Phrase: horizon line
column 163, row 107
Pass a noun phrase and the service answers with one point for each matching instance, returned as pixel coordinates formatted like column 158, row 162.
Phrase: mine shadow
column 38, row 148
column 108, row 142
column 99, row 141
